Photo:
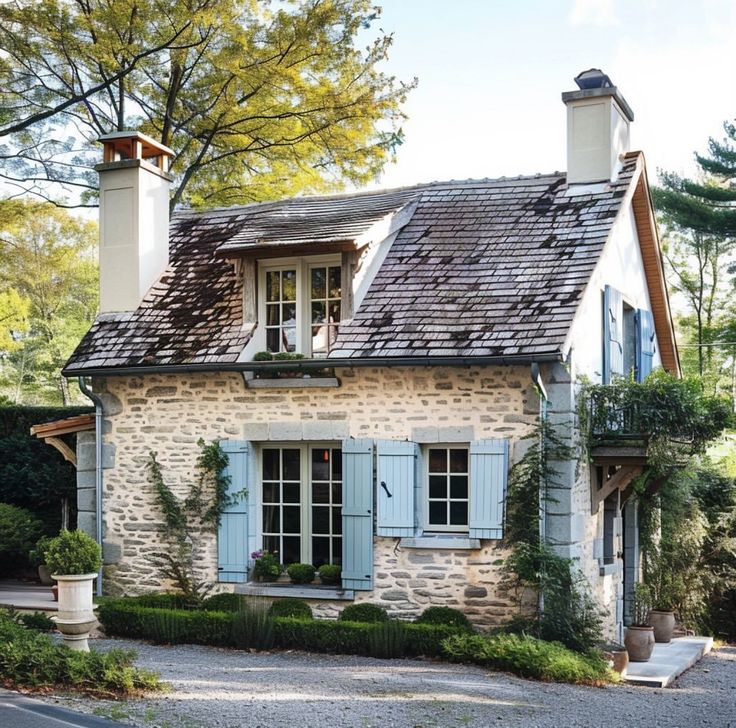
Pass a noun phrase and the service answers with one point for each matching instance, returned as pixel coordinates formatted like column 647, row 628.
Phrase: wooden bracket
column 599, row 491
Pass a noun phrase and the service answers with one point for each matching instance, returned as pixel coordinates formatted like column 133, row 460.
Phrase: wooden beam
column 600, row 491
column 66, row 452
column 615, row 455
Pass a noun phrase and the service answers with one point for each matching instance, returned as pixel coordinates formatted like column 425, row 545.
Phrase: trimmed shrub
column 445, row 615
column 19, row 531
column 226, row 602
column 32, row 660
column 253, row 627
column 301, row 573
column 330, row 574
column 528, row 657
column 38, row 621
column 364, row 612
column 387, row 640
column 73, row 552
column 290, row 607
column 168, row 600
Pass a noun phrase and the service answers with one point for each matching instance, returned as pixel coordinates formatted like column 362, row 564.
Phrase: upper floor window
column 301, row 305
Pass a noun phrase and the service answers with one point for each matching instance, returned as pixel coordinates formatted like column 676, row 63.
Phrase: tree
column 699, row 218
column 48, row 258
column 257, row 99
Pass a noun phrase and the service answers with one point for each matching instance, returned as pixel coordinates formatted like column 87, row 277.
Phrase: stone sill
column 293, row 383
column 448, row 543
column 608, row 569
column 299, row 591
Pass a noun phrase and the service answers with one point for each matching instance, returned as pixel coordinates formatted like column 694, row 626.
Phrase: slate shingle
column 482, row 268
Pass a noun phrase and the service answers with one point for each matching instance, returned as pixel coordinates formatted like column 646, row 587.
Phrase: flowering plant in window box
column 287, row 373
column 267, row 566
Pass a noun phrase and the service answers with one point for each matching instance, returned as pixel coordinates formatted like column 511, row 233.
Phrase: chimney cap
column 122, row 142
column 593, row 78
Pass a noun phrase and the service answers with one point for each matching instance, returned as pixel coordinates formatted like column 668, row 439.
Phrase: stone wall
column 169, row 414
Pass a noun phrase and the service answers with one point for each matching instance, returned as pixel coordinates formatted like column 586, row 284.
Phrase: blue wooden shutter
column 645, row 344
column 395, row 492
column 357, row 514
column 489, row 466
column 613, row 334
column 232, row 537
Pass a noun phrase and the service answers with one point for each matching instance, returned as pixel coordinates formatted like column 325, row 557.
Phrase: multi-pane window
column 301, row 503
column 325, row 312
column 281, row 311
column 448, row 488
column 300, row 306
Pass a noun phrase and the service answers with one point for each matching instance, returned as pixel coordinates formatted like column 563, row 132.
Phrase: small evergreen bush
column 364, row 612
column 163, row 601
column 226, row 602
column 528, row 657
column 37, row 555
column 387, row 640
column 253, row 627
column 73, row 552
column 444, row 615
column 38, row 621
column 330, row 574
column 290, row 607
column 301, row 573
column 19, row 531
column 32, row 660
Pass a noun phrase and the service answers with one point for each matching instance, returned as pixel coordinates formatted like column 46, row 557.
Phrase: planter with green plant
column 266, row 566
column 37, row 556
column 330, row 574
column 74, row 559
column 639, row 639
column 301, row 573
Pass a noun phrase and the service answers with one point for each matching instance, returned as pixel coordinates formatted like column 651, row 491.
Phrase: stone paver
column 669, row 661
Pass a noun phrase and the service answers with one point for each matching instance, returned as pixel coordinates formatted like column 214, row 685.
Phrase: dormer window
column 300, row 304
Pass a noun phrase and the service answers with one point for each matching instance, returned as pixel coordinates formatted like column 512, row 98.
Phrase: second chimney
column 598, row 119
column 134, row 218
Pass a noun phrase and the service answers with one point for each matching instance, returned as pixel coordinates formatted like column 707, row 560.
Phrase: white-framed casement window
column 300, row 304
column 447, row 497
column 301, row 502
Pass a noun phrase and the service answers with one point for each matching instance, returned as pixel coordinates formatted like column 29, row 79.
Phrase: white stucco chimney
column 598, row 119
column 134, row 218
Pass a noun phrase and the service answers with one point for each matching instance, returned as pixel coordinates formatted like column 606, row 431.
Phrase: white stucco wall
column 621, row 267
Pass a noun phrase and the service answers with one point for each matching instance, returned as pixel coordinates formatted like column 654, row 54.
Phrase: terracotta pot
column 619, row 660
column 663, row 623
column 639, row 643
column 75, row 619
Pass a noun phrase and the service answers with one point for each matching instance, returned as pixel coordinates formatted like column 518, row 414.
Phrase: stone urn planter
column 76, row 618
column 44, row 576
column 639, row 641
column 74, row 560
column 663, row 623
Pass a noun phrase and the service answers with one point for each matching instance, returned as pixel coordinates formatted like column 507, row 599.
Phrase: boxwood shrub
column 445, row 615
column 226, row 602
column 364, row 612
column 290, row 607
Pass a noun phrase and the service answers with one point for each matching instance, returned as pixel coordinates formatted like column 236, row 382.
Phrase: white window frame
column 428, row 528
column 303, row 267
column 305, row 524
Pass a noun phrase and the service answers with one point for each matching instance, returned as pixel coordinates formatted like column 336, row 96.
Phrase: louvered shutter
column 232, row 536
column 396, row 488
column 613, row 334
column 645, row 344
column 489, row 464
column 357, row 514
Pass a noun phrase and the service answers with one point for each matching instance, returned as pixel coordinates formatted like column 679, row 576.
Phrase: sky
column 491, row 73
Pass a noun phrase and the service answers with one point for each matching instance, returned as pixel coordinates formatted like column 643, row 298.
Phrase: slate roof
column 482, row 268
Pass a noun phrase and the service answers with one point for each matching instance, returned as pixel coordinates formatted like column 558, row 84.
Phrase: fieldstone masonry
column 169, row 414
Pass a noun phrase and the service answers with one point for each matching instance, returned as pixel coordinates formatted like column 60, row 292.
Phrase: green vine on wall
column 199, row 512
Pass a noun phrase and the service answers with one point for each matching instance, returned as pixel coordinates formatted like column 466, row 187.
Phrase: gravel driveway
column 228, row 688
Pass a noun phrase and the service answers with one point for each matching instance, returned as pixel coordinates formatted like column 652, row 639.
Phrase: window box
column 301, row 382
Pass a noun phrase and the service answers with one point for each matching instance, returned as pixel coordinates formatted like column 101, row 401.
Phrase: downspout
column 543, row 399
column 97, row 400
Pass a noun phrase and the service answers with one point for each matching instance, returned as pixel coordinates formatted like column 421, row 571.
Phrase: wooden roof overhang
column 287, row 250
column 52, row 432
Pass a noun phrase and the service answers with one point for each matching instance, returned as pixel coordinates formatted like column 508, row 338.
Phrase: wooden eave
column 51, row 433
column 286, row 250
column 651, row 253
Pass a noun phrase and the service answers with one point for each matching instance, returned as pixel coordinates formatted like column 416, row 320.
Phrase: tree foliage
column 48, row 271
column 258, row 99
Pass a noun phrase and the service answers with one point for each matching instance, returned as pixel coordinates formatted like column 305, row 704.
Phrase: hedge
column 126, row 618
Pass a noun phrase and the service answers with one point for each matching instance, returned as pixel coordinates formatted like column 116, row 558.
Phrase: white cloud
column 598, row 13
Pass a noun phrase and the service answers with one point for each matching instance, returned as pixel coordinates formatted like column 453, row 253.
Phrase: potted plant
column 301, row 573
column 664, row 597
column 639, row 639
column 37, row 556
column 266, row 566
column 74, row 559
column 330, row 574
column 617, row 656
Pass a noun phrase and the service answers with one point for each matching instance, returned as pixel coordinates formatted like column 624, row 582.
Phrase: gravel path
column 221, row 688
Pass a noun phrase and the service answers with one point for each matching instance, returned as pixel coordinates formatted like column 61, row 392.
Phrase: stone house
column 437, row 324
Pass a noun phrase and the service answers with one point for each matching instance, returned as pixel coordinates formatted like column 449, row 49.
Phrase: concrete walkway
column 19, row 711
column 669, row 661
column 27, row 597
